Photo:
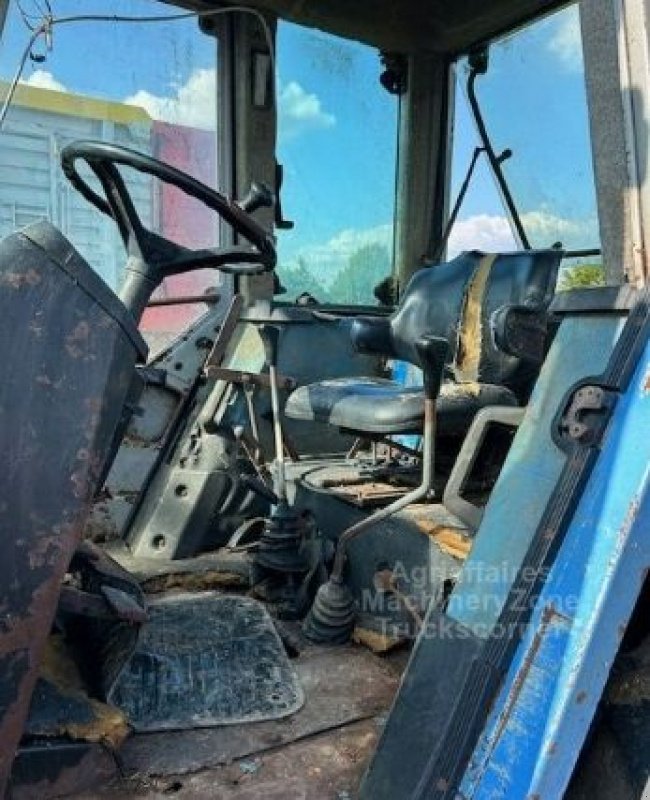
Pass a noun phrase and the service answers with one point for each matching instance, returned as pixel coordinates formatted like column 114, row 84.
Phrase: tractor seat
column 383, row 407
column 493, row 311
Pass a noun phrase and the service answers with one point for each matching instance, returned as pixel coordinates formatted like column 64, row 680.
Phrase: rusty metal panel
column 69, row 353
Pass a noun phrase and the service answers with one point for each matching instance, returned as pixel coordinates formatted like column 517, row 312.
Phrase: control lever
column 281, row 556
column 270, row 335
column 257, row 485
column 258, row 196
column 251, row 446
column 332, row 616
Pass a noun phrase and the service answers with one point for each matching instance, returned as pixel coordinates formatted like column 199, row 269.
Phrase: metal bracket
column 588, row 411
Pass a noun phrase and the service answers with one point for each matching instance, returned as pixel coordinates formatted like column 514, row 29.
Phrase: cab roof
column 407, row 26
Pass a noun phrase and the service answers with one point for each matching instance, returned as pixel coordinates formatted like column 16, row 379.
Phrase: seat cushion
column 380, row 406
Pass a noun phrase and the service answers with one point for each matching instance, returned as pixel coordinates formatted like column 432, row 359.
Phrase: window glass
column 533, row 101
column 337, row 143
column 150, row 87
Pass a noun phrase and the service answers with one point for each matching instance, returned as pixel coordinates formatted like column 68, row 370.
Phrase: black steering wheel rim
column 102, row 158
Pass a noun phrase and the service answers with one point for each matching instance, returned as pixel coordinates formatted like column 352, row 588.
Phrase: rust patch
column 581, row 697
column 646, row 384
column 193, row 582
column 80, row 484
column 100, row 527
column 16, row 280
column 365, row 494
column 45, row 552
column 630, row 517
column 76, row 342
column 548, row 613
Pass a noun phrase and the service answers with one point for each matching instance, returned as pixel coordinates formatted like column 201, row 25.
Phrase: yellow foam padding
column 452, row 541
column 470, row 330
column 108, row 726
column 374, row 641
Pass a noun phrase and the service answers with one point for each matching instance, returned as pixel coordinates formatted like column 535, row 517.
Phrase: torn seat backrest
column 457, row 300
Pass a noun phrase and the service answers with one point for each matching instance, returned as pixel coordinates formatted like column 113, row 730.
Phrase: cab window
column 337, row 144
column 532, row 98
column 150, row 87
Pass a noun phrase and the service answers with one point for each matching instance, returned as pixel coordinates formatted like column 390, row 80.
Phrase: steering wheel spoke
column 152, row 257
column 235, row 260
column 122, row 209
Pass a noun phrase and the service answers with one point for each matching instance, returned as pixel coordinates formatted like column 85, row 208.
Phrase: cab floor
column 319, row 753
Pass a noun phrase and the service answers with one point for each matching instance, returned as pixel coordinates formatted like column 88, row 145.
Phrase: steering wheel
column 151, row 257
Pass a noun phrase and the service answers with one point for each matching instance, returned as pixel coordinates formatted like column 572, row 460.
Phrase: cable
column 49, row 22
column 38, row 32
column 27, row 17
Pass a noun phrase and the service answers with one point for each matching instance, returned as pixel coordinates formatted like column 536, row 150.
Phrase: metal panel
column 548, row 700
column 617, row 72
column 529, row 474
column 66, row 377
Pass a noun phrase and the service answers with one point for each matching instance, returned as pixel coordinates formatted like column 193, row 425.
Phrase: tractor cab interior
column 261, row 502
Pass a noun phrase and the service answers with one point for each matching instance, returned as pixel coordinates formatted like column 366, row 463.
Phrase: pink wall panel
column 183, row 219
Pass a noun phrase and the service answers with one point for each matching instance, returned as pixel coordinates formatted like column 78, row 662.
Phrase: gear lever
column 270, row 337
column 280, row 552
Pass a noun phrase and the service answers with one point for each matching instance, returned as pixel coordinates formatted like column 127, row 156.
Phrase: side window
column 533, row 102
column 337, row 143
column 150, row 87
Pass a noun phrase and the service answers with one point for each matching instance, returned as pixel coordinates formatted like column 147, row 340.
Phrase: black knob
column 432, row 352
column 259, row 196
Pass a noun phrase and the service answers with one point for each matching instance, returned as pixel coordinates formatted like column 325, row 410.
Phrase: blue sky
column 338, row 127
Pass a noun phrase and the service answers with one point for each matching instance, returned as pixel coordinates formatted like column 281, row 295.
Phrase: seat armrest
column 522, row 331
column 432, row 352
column 372, row 335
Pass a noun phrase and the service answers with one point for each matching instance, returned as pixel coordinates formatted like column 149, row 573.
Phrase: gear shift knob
column 270, row 337
column 432, row 352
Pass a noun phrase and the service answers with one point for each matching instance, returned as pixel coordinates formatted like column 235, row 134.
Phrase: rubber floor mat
column 207, row 659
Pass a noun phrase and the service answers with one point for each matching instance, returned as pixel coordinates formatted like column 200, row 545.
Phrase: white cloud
column 193, row 104
column 301, row 111
column 43, row 79
column 566, row 41
column 490, row 233
column 493, row 234
column 486, row 232
column 546, row 227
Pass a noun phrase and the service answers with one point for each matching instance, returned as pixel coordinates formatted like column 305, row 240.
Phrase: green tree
column 366, row 267
column 299, row 279
column 581, row 276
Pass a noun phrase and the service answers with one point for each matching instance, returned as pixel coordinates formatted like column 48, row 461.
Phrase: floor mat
column 207, row 659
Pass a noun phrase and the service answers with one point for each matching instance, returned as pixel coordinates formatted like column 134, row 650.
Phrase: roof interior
column 407, row 26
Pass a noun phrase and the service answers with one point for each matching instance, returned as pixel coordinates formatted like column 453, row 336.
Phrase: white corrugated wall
column 33, row 187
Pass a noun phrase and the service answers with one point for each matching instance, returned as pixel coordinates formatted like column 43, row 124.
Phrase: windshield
column 150, row 87
column 533, row 102
column 338, row 145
